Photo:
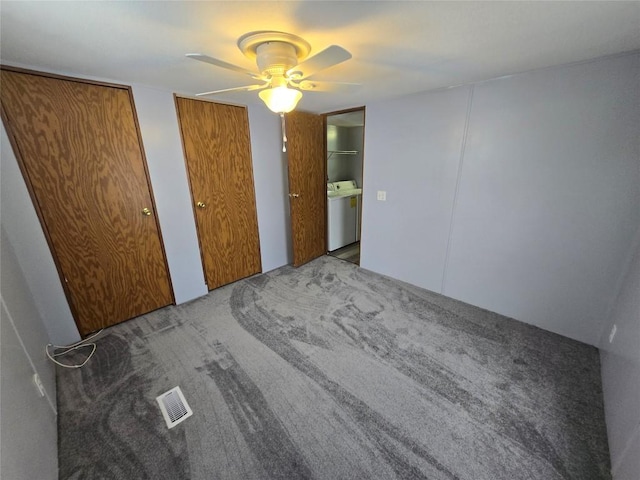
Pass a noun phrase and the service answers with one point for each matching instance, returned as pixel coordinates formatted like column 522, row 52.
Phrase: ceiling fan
column 277, row 55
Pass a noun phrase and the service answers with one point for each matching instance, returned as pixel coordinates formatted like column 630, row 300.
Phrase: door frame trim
column 363, row 109
column 346, row 110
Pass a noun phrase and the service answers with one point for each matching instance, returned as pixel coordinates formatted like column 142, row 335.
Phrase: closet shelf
column 341, row 152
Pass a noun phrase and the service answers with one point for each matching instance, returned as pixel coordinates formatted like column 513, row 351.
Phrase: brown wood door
column 307, row 185
column 80, row 151
column 218, row 155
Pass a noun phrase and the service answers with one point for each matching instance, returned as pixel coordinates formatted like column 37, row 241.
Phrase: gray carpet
column 329, row 371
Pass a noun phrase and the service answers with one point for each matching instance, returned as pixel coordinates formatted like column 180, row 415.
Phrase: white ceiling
column 397, row 47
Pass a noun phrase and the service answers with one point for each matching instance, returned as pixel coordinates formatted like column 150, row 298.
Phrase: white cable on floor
column 69, row 348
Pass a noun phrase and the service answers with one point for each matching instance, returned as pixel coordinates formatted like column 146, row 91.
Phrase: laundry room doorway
column 345, row 160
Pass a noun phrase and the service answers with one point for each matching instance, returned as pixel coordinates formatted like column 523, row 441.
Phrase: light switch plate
column 382, row 195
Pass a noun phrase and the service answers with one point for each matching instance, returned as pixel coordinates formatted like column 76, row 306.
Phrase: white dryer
column 343, row 207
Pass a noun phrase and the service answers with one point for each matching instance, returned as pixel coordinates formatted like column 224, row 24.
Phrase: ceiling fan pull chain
column 284, row 133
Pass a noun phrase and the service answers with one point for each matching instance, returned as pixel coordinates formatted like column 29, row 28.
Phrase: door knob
column 201, row 204
column 294, row 195
column 146, row 211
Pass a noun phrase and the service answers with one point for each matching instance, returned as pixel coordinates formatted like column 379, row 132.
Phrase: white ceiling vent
column 174, row 407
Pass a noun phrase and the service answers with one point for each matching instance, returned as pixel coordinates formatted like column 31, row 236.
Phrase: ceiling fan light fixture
column 280, row 99
column 283, row 67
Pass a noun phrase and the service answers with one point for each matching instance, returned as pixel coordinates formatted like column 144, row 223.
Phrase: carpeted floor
column 332, row 372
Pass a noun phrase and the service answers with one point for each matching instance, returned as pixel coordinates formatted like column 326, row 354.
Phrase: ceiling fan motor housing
column 274, row 52
column 275, row 58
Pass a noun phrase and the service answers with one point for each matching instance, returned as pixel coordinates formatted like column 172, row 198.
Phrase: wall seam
column 26, row 352
column 463, row 147
column 625, row 451
column 602, row 340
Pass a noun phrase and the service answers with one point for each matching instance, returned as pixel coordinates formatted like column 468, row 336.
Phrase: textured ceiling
column 397, row 47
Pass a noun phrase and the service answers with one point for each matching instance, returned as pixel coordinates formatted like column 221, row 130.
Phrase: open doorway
column 345, row 158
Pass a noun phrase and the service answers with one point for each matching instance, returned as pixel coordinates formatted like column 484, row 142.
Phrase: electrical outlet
column 614, row 329
column 382, row 195
column 38, row 383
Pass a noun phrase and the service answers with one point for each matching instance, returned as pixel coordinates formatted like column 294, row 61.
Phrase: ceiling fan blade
column 328, row 57
column 247, row 88
column 313, row 86
column 223, row 64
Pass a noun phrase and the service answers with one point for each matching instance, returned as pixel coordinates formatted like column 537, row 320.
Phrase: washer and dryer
column 343, row 207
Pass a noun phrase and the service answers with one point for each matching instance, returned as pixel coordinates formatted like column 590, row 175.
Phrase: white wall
column 272, row 185
column 620, row 363
column 533, row 220
column 412, row 151
column 356, row 140
column 28, row 438
column 344, row 167
column 163, row 148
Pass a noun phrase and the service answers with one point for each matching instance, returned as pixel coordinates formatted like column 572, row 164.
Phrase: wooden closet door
column 307, row 185
column 218, row 156
column 81, row 154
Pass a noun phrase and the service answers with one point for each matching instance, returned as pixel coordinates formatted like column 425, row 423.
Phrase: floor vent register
column 174, row 407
